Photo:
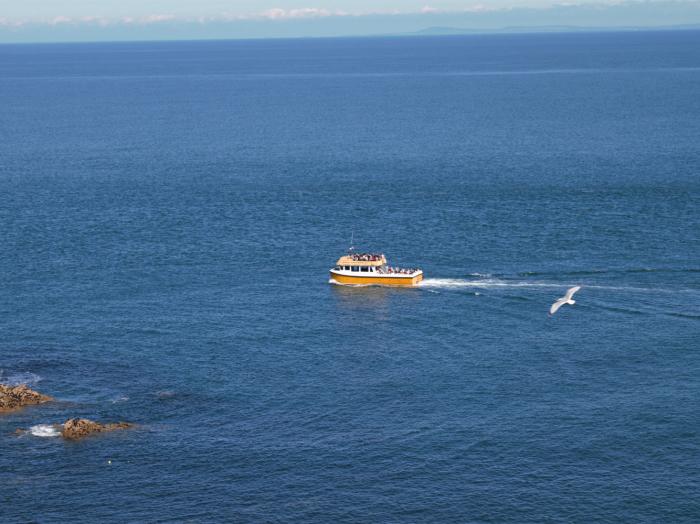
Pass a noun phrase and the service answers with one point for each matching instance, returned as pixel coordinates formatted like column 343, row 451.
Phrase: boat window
column 364, row 269
column 355, row 268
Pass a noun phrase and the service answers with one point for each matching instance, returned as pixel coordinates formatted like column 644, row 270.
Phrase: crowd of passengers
column 394, row 270
column 366, row 257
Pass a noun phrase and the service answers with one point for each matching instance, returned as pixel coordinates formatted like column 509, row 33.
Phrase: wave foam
column 15, row 379
column 44, row 430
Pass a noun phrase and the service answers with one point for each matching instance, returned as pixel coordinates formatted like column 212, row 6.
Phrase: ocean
column 169, row 212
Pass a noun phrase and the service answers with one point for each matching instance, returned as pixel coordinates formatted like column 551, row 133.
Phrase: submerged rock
column 76, row 428
column 16, row 397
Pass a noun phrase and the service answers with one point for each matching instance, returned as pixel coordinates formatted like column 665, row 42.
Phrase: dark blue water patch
column 169, row 215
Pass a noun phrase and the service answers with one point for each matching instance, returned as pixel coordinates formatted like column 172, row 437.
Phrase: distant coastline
column 427, row 32
column 438, row 31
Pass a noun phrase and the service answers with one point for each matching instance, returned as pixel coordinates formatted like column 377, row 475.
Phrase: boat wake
column 455, row 283
column 497, row 283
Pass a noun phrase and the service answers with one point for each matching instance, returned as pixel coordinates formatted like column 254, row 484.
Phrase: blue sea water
column 169, row 212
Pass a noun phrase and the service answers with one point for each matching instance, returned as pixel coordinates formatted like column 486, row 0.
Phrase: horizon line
column 440, row 32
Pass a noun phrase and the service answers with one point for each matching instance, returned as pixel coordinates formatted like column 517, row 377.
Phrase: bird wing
column 556, row 306
column 570, row 292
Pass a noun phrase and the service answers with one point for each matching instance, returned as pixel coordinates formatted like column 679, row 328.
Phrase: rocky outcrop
column 76, row 428
column 16, row 397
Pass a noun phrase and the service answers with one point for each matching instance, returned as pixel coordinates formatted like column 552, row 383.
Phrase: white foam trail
column 484, row 283
column 44, row 430
column 644, row 289
column 494, row 283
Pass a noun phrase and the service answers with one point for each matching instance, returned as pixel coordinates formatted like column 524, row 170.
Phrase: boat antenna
column 352, row 241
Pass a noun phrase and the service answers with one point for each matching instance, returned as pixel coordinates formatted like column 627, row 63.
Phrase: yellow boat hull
column 376, row 281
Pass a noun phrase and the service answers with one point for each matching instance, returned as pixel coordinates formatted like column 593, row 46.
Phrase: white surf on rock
column 15, row 379
column 44, row 430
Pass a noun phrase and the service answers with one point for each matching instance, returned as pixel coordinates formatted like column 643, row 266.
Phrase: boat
column 371, row 269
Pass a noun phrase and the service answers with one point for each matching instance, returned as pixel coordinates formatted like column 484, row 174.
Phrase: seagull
column 566, row 299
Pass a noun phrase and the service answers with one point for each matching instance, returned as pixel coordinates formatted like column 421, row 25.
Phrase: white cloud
column 6, row 22
column 60, row 20
column 275, row 13
column 153, row 19
column 304, row 12
column 95, row 20
column 480, row 8
column 104, row 21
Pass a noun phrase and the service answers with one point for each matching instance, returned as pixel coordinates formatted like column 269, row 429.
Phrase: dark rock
column 16, row 397
column 76, row 428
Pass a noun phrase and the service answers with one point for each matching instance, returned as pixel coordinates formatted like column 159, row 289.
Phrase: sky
column 47, row 9
column 90, row 20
